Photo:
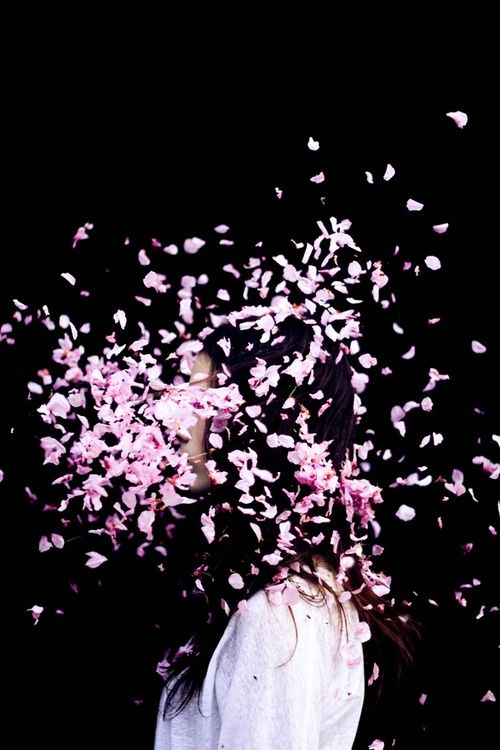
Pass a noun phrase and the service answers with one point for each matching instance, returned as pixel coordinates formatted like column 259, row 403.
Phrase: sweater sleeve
column 270, row 689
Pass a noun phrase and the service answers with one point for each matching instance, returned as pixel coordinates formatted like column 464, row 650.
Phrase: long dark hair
column 391, row 627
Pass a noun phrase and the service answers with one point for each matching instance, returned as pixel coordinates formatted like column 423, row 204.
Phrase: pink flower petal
column 413, row 205
column 95, row 559
column 236, row 581
column 143, row 258
column 44, row 545
column 459, row 118
column 36, row 611
column 389, row 172
column 432, row 262
column 215, row 440
column 409, row 354
column 488, row 696
column 192, row 245
column 440, row 228
column 477, row 347
column 69, row 278
column 318, row 178
column 312, row 145
column 405, row 513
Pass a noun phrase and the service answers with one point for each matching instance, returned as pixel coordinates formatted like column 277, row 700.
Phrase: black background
column 169, row 147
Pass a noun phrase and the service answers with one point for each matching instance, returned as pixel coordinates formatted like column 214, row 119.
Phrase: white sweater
column 249, row 702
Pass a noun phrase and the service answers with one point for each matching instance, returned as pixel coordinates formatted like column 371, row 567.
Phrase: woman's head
column 295, row 376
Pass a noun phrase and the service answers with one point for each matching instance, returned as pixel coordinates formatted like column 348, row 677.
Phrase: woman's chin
column 201, row 484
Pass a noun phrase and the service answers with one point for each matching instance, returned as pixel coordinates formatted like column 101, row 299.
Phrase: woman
column 287, row 596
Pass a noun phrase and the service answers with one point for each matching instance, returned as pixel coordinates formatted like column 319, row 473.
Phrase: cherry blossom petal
column 432, row 262
column 236, row 581
column 389, row 172
column 413, row 205
column 440, row 228
column 95, row 559
column 318, row 178
column 477, row 347
column 488, row 696
column 69, row 278
column 459, row 118
column 193, row 245
column 405, row 513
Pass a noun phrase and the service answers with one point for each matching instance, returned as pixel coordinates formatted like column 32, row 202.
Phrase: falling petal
column 143, row 258
column 69, row 278
column 389, row 172
column 95, row 559
column 318, row 178
column 432, row 262
column 413, row 205
column 427, row 404
column 440, row 228
column 192, row 245
column 312, row 145
column 459, row 118
column 405, row 513
column 36, row 611
column 236, row 581
column 120, row 318
column 488, row 696
column 477, row 347
column 409, row 354
column 44, row 545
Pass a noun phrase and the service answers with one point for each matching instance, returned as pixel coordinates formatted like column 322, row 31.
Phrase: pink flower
column 459, row 118
column 95, row 559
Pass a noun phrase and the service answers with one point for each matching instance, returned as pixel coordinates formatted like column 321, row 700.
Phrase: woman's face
column 194, row 445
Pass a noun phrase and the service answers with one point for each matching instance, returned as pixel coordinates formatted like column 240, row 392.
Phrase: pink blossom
column 36, row 611
column 192, row 245
column 81, row 233
column 69, row 278
column 318, row 178
column 405, row 513
column 432, row 262
column 143, row 258
column 413, row 205
column 145, row 522
column 389, row 172
column 456, row 486
column 95, row 559
column 379, row 277
column 488, row 696
column 366, row 360
column 236, row 581
column 459, row 118
column 440, row 228
column 477, row 347
column 53, row 450
column 155, row 281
